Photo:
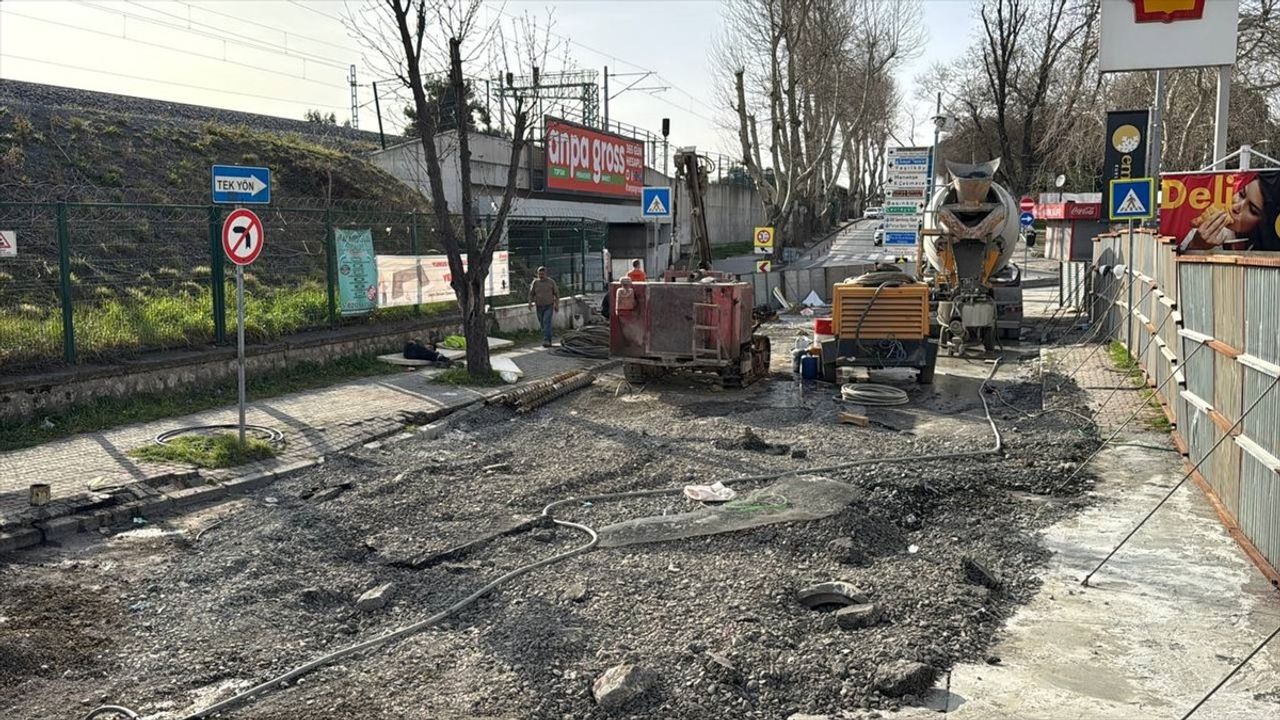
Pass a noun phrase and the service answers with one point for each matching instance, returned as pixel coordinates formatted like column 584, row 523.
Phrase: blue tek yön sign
column 1131, row 199
column 655, row 202
column 1027, row 219
column 240, row 185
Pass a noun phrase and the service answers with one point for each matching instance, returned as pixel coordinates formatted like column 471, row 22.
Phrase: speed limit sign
column 763, row 242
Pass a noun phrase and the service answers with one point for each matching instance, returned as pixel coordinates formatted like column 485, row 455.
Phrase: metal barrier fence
column 797, row 284
column 1221, row 341
column 100, row 282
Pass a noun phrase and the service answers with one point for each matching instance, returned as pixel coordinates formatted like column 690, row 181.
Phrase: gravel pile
column 710, row 627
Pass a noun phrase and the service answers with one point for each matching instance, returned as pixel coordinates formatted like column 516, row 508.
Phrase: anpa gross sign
column 583, row 160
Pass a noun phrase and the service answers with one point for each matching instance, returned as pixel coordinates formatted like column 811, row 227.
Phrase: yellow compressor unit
column 880, row 320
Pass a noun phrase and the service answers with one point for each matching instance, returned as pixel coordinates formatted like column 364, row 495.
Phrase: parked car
column 873, row 213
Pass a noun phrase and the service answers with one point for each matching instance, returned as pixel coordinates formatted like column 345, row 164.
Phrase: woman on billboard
column 1247, row 223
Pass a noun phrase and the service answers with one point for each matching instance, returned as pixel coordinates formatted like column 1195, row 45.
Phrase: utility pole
column 355, row 108
column 377, row 108
column 1220, row 118
column 666, row 130
column 606, row 98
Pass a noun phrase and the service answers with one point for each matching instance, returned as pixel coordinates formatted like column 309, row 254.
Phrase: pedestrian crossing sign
column 1132, row 199
column 655, row 202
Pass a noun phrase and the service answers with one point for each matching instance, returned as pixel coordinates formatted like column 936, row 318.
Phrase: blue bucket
column 809, row 367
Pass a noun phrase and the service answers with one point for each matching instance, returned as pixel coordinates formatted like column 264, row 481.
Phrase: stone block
column 60, row 527
column 195, row 495
column 375, row 598
column 18, row 539
column 620, row 685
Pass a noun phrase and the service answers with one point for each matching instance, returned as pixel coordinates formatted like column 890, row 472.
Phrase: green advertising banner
column 357, row 271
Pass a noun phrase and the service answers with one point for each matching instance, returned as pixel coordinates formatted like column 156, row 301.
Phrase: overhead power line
column 215, row 58
column 276, row 98
column 629, row 63
column 213, row 34
column 287, row 33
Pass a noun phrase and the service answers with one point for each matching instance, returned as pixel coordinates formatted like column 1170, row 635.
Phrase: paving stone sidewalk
column 1109, row 391
column 315, row 423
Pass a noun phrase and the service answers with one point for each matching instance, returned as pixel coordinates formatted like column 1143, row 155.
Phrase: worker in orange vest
column 637, row 273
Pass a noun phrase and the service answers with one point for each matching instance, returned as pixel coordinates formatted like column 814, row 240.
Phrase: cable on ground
column 873, row 394
column 591, row 341
column 271, row 435
column 593, row 540
column 1134, row 414
column 1231, row 674
column 1189, row 473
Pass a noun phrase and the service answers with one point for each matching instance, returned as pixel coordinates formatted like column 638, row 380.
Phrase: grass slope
column 141, row 275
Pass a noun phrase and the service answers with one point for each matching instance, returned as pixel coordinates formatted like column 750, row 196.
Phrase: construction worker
column 637, row 272
column 544, row 296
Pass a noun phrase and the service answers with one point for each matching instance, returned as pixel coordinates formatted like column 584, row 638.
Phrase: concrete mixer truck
column 971, row 229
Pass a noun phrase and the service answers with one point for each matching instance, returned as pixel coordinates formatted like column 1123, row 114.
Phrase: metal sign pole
column 1128, row 266
column 240, row 344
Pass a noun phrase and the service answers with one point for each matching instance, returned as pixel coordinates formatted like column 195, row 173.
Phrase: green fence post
column 582, row 238
column 413, row 248
column 546, row 239
column 331, row 266
column 64, row 285
column 217, row 276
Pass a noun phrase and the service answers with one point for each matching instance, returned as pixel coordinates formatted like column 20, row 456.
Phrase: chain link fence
column 105, row 282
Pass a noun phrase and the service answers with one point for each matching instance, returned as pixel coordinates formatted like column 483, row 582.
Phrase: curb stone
column 159, row 503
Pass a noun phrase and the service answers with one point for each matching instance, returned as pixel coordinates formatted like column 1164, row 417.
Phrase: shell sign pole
column 1141, row 35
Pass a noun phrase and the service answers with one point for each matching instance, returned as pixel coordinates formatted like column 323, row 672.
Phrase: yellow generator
column 880, row 320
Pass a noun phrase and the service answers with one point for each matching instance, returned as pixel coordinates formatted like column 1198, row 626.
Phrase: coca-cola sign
column 1069, row 211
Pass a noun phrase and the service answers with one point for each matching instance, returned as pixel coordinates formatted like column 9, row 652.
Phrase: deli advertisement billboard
column 590, row 162
column 1226, row 210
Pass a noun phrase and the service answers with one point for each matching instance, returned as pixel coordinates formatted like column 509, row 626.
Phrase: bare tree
column 816, row 74
column 411, row 37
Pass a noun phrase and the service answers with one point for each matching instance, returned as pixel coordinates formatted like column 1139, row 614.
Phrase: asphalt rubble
column 183, row 612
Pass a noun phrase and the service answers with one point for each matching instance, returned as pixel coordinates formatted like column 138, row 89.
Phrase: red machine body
column 656, row 327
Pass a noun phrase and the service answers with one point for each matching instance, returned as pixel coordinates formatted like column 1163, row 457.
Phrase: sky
column 283, row 57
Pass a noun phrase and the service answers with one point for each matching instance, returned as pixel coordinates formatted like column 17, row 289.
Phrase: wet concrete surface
column 1160, row 624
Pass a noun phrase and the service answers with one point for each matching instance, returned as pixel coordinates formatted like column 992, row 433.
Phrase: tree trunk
column 475, row 327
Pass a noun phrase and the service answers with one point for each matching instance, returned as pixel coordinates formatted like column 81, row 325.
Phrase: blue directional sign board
column 901, row 237
column 1027, row 219
column 1132, row 199
column 655, row 202
column 239, row 185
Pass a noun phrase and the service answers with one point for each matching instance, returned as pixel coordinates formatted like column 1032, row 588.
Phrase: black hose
column 590, row 342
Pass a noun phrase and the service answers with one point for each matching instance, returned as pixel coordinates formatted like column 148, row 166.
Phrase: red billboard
column 591, row 162
column 1229, row 210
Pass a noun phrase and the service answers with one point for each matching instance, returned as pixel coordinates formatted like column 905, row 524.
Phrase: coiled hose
column 592, row 540
column 591, row 341
column 873, row 394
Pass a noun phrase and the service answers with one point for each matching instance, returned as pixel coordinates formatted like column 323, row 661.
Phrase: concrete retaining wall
column 28, row 396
